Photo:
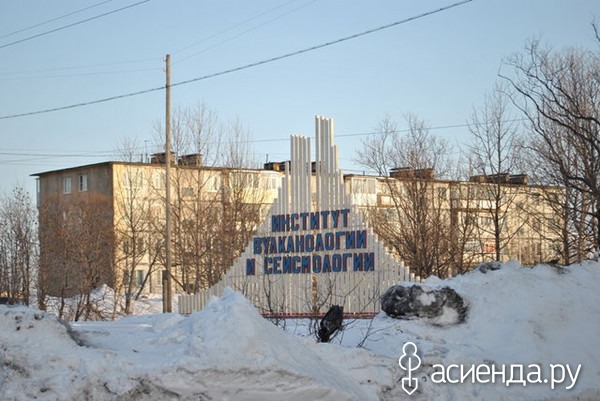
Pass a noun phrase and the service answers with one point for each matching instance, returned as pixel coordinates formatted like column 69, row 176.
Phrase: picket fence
column 296, row 295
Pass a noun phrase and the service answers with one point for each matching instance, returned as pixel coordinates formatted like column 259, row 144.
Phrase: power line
column 73, row 24
column 80, row 67
column 104, row 153
column 244, row 32
column 241, row 68
column 76, row 105
column 35, row 154
column 40, row 156
column 82, row 74
column 234, row 26
column 22, row 75
column 54, row 19
column 317, row 47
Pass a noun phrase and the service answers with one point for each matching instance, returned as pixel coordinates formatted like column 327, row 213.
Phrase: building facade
column 105, row 223
column 445, row 227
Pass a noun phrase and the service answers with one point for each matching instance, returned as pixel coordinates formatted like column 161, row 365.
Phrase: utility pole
column 167, row 295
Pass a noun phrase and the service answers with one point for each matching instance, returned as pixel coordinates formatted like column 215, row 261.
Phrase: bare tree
column 414, row 148
column 196, row 130
column 18, row 245
column 464, row 248
column 214, row 210
column 237, row 149
column 131, row 228
column 78, row 246
column 52, row 265
column 416, row 224
column 495, row 152
column 559, row 93
column 90, row 243
column 196, row 134
column 568, row 228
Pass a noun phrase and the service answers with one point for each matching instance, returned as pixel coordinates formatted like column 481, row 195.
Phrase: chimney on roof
column 409, row 172
column 275, row 166
column 161, row 158
column 503, row 178
column 518, row 179
column 191, row 160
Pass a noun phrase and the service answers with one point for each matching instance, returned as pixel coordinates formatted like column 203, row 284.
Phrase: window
column 490, row 193
column 212, row 184
column 470, row 219
column 67, row 182
column 384, row 200
column 256, row 181
column 363, row 186
column 489, row 247
column 159, row 180
column 83, row 183
column 486, row 221
column 139, row 277
column 133, row 179
column 187, row 192
column 473, row 246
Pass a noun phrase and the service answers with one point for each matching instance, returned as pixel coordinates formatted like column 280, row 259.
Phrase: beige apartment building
column 105, row 223
column 450, row 226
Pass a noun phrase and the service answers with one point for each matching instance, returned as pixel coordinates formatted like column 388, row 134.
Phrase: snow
column 427, row 298
column 542, row 315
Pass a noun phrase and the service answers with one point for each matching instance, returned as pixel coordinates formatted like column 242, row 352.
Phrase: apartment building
column 105, row 223
column 499, row 217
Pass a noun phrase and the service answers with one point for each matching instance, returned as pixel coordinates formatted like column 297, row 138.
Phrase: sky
column 438, row 67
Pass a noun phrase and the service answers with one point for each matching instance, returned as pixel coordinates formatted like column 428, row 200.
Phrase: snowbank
column 543, row 315
column 227, row 351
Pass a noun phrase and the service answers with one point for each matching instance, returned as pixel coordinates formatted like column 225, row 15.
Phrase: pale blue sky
column 438, row 67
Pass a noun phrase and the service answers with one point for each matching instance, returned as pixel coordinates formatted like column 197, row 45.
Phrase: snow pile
column 41, row 359
column 544, row 315
column 227, row 351
column 517, row 315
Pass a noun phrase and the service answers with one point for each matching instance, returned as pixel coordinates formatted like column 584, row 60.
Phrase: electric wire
column 240, row 68
column 233, row 27
column 317, row 47
column 104, row 153
column 73, row 24
column 71, row 68
column 25, row 75
column 245, row 31
column 54, row 19
column 83, row 74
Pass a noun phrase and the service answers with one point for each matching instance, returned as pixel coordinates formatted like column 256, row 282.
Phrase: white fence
column 306, row 294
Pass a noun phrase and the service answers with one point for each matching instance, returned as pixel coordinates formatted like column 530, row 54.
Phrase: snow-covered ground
column 543, row 316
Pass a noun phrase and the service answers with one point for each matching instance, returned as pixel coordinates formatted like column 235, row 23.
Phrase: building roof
column 108, row 163
column 111, row 163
